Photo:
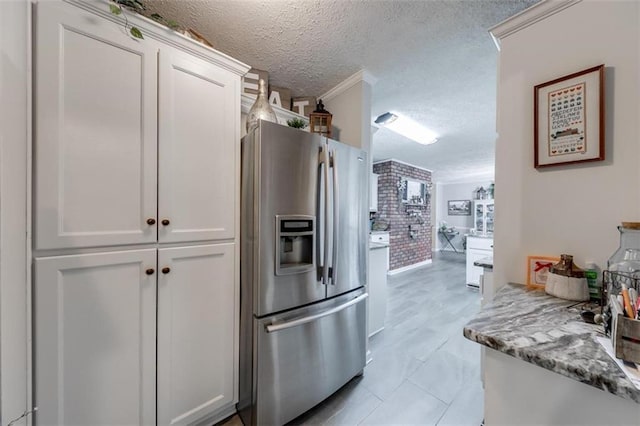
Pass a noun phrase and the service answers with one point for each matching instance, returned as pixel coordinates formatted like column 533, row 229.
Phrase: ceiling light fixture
column 407, row 128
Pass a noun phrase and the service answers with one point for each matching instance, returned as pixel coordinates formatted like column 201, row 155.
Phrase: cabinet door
column 95, row 131
column 197, row 332
column 198, row 149
column 474, row 272
column 95, row 339
column 373, row 197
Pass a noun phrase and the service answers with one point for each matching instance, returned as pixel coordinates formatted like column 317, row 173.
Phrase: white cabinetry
column 378, row 267
column 95, row 333
column 197, row 160
column 95, row 126
column 483, row 216
column 136, row 142
column 477, row 248
column 373, row 198
column 196, row 358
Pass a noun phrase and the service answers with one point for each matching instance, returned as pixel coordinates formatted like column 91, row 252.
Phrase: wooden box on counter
column 625, row 334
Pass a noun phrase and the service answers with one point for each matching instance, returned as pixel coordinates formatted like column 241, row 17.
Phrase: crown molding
column 527, row 17
column 154, row 30
column 362, row 75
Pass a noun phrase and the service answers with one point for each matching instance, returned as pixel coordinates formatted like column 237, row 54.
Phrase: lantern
column 320, row 120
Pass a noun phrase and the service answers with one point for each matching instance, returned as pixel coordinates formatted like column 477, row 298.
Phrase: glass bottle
column 629, row 239
column 261, row 109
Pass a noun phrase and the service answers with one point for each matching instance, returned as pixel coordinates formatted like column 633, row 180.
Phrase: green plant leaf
column 115, row 9
column 173, row 24
column 136, row 33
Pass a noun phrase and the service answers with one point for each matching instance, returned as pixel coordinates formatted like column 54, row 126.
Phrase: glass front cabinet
column 483, row 216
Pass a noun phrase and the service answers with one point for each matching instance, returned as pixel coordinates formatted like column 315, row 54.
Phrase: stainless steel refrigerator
column 303, row 271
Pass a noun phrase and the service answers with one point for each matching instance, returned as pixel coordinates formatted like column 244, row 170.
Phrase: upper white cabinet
column 95, row 132
column 373, row 197
column 198, row 154
column 95, row 331
column 136, row 141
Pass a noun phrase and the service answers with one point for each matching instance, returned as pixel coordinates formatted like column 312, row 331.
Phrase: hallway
column 423, row 371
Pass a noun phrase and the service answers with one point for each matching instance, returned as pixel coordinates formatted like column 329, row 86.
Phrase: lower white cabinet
column 378, row 267
column 95, row 339
column 477, row 248
column 197, row 329
column 97, row 320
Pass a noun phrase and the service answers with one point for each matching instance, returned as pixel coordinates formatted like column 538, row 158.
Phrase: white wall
column 351, row 109
column 454, row 191
column 14, row 148
column 567, row 209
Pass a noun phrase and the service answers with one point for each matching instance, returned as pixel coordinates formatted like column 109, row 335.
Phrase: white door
column 197, row 328
column 95, row 131
column 198, row 149
column 95, row 339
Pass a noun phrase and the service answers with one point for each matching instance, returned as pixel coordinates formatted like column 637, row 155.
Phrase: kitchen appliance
column 303, row 271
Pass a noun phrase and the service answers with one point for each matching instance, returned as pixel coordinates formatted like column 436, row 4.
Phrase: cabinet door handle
column 151, row 221
column 166, row 270
column 165, row 222
column 150, row 271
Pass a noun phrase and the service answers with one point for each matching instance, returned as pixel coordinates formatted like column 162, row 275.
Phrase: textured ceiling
column 434, row 60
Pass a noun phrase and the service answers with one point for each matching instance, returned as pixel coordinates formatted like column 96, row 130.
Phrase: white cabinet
column 128, row 149
column 95, row 334
column 378, row 266
column 198, row 315
column 483, row 216
column 95, row 132
column 136, row 143
column 477, row 248
column 198, row 152
column 373, row 197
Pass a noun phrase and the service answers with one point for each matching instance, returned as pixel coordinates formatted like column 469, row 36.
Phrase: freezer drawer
column 306, row 355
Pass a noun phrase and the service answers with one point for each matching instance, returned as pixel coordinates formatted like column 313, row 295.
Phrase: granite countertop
column 548, row 332
column 485, row 262
column 478, row 236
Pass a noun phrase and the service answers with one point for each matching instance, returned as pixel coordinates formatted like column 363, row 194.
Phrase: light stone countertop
column 375, row 245
column 548, row 332
column 485, row 262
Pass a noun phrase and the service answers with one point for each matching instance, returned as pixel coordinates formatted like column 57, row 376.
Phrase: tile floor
column 423, row 371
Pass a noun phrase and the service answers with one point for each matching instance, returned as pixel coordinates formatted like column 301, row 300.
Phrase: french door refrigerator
column 303, row 271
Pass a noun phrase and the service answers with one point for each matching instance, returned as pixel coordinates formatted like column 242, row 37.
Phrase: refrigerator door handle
column 336, row 218
column 323, row 174
column 325, row 270
column 294, row 323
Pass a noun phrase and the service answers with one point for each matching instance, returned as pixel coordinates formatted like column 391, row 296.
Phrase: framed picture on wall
column 459, row 207
column 569, row 119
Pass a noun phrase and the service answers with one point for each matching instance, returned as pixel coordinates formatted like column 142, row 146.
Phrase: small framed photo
column 538, row 270
column 459, row 208
column 569, row 119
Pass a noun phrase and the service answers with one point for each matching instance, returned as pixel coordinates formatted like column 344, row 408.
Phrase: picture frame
column 459, row 207
column 569, row 119
column 538, row 270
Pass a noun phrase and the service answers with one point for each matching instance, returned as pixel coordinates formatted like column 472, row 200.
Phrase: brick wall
column 404, row 250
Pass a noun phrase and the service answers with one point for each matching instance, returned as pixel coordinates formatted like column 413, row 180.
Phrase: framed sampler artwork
column 538, row 270
column 569, row 119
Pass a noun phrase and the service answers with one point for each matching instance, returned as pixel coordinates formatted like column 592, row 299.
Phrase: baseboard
column 410, row 267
